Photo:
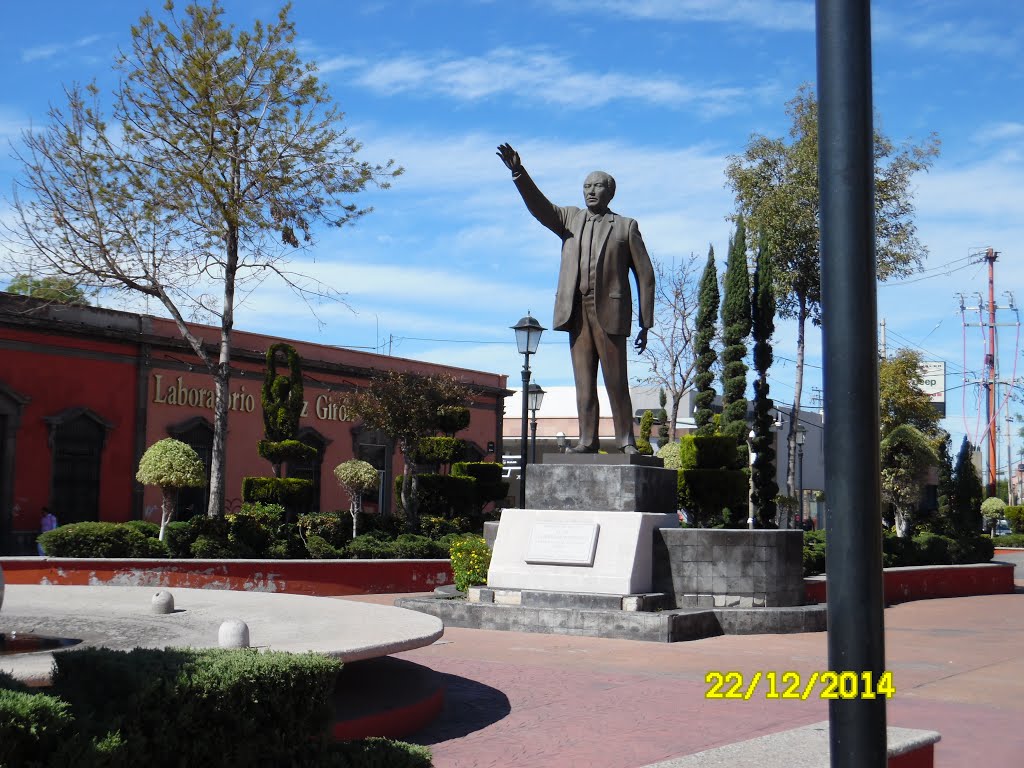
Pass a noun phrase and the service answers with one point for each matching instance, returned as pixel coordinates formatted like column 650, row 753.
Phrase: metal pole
column 522, row 451
column 990, row 257
column 533, row 437
column 856, row 641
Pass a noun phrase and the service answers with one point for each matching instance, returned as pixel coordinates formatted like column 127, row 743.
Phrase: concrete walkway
column 520, row 700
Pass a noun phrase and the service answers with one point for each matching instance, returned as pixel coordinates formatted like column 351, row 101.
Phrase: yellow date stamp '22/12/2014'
column 793, row 685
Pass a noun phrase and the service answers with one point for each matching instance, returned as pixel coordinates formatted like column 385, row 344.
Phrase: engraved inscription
column 563, row 544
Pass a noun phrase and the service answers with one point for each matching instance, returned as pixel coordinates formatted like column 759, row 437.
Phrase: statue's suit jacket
column 620, row 250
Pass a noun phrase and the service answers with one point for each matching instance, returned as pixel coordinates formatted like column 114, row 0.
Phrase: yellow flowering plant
column 471, row 557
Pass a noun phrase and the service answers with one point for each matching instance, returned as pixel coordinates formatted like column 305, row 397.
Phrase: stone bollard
column 163, row 602
column 233, row 633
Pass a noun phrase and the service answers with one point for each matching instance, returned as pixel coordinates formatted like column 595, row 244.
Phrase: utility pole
column 987, row 320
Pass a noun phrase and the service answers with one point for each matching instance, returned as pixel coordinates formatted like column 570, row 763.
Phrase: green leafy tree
column 900, row 397
column 357, row 478
column 992, row 511
column 707, row 311
column 967, row 492
column 56, row 289
column 765, row 488
column 671, row 352
column 735, row 330
column 406, row 407
column 170, row 464
column 906, row 456
column 222, row 153
column 776, row 187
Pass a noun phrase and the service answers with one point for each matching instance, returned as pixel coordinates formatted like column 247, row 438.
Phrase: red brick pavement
column 522, row 700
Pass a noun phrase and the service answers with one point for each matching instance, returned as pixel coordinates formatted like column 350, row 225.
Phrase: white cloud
column 763, row 14
column 536, row 75
column 49, row 50
column 1004, row 131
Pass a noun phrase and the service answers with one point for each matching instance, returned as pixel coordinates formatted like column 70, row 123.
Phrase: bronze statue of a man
column 594, row 302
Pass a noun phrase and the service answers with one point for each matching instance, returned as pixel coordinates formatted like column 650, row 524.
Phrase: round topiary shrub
column 170, row 464
column 357, row 478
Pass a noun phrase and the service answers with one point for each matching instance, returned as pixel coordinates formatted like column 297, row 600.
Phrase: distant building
column 84, row 391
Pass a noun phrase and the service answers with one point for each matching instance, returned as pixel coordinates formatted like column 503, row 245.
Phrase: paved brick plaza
column 532, row 701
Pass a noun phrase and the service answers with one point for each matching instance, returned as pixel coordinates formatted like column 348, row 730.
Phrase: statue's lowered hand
column 510, row 158
column 641, row 341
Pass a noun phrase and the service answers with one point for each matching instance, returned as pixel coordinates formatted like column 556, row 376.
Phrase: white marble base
column 622, row 559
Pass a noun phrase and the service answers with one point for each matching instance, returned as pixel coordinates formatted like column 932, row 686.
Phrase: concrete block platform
column 637, row 618
column 121, row 618
column 807, row 747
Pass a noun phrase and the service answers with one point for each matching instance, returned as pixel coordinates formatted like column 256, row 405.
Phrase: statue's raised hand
column 510, row 158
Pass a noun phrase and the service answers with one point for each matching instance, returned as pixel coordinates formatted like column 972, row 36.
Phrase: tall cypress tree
column 707, row 313
column 765, row 489
column 735, row 329
column 967, row 493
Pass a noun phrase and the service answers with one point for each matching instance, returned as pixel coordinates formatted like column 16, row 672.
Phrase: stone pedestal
column 590, row 526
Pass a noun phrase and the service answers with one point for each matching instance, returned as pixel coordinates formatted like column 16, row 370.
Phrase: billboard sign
column 932, row 382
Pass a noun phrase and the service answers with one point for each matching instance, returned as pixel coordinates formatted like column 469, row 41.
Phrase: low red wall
column 300, row 577
column 930, row 581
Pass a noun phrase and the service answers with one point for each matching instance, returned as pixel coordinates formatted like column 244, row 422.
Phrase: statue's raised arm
column 510, row 158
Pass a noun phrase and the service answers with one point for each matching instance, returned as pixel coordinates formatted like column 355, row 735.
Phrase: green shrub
column 446, row 495
column 91, row 539
column 452, row 418
column 320, row 549
column 32, row 728
column 211, row 548
column 814, row 552
column 974, row 549
column 290, row 492
column 178, row 538
column 439, row 450
column 387, row 526
column 438, row 527
column 644, row 446
column 188, row 707
column 669, row 453
column 146, row 528
column 9, row 682
column 471, row 557
column 254, row 528
column 705, row 493
column 1011, row 540
column 369, row 547
column 334, row 527
column 280, row 451
column 490, row 486
column 376, row 753
column 444, row 544
column 933, row 549
column 409, row 546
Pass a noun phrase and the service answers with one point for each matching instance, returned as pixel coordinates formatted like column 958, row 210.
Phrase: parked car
column 1003, row 528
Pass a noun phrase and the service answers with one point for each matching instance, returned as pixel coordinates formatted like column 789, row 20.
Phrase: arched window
column 11, row 405
column 310, row 469
column 77, row 436
column 198, row 433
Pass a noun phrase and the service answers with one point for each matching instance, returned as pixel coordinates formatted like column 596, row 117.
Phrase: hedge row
column 183, row 707
column 923, row 549
column 257, row 533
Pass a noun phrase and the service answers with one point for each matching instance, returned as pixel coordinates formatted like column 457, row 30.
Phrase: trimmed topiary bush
column 320, row 549
column 170, row 464
column 289, row 492
column 332, row 527
column 357, row 478
column 439, row 450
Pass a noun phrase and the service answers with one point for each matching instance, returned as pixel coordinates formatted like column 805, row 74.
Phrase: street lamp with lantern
column 801, row 438
column 536, row 397
column 528, row 331
column 750, row 489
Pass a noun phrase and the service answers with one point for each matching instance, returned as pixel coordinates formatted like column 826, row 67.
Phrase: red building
column 84, row 391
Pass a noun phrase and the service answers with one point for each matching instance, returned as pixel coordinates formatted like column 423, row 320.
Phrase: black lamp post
column 528, row 332
column 801, row 437
column 536, row 397
column 752, row 456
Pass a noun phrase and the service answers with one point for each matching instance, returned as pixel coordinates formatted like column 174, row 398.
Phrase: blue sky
column 657, row 92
